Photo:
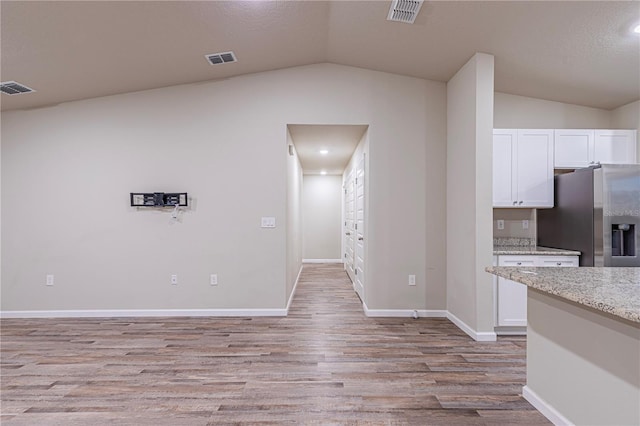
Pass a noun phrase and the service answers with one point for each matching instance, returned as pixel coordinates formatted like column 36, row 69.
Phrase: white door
column 535, row 168
column 359, row 229
column 349, row 229
column 504, row 152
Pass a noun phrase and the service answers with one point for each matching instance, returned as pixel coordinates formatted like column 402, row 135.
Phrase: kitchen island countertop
column 615, row 291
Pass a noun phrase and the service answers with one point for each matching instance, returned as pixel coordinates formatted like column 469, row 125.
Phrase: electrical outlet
column 174, row 279
column 525, row 224
column 213, row 280
column 500, row 224
column 49, row 279
column 412, row 280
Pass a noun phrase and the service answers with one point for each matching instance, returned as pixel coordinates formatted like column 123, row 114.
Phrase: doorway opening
column 332, row 195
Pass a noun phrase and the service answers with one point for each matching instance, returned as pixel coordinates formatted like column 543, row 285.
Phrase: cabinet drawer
column 516, row 261
column 558, row 261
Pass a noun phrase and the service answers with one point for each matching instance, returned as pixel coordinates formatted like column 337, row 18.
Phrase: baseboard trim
column 402, row 313
column 511, row 331
column 321, row 260
column 117, row 313
column 431, row 313
column 478, row 336
column 544, row 407
column 293, row 292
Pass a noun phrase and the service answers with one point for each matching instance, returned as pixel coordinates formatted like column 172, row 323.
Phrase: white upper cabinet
column 504, row 179
column 522, row 168
column 615, row 147
column 575, row 148
column 535, row 168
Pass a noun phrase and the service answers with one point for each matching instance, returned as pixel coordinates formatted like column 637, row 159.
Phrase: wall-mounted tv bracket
column 158, row 199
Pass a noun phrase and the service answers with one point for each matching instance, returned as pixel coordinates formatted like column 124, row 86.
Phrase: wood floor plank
column 325, row 363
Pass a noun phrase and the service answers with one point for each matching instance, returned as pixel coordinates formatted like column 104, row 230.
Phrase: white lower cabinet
column 511, row 297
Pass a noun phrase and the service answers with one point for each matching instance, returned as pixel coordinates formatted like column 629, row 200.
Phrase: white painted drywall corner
column 469, row 199
column 294, row 217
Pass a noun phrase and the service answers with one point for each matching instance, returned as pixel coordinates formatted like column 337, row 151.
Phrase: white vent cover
column 221, row 58
column 404, row 10
column 13, row 88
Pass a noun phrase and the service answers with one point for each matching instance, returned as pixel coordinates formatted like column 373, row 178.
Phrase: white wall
column 521, row 112
column 628, row 117
column 294, row 216
column 469, row 193
column 67, row 171
column 322, row 216
column 405, row 172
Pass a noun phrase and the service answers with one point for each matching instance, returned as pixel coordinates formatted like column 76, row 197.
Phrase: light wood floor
column 326, row 363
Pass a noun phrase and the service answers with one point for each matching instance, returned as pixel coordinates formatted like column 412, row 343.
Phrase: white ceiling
column 340, row 140
column 578, row 52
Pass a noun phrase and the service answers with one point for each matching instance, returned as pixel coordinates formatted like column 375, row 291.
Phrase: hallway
column 325, row 363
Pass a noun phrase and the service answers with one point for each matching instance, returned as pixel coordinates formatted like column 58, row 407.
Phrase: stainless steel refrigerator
column 597, row 212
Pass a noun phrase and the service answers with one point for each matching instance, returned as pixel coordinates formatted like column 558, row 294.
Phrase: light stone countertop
column 615, row 291
column 532, row 250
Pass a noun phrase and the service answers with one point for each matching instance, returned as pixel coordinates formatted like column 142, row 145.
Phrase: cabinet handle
column 520, row 203
column 515, row 202
column 559, row 263
column 519, row 263
column 360, row 239
column 348, row 233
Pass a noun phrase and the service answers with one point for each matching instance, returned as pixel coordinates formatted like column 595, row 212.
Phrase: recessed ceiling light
column 323, row 172
column 637, row 29
column 324, row 151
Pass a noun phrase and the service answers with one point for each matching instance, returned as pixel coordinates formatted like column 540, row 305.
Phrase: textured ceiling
column 574, row 51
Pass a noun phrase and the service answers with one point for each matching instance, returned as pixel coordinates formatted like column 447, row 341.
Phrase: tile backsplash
column 513, row 224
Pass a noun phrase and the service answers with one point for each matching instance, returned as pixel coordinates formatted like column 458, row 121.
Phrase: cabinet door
column 512, row 303
column 615, row 146
column 534, row 168
column 573, row 148
column 504, row 153
column 512, row 296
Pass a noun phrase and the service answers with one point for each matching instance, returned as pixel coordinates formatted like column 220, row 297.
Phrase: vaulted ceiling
column 577, row 52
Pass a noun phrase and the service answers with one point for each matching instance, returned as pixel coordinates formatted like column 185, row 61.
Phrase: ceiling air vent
column 404, row 10
column 221, row 58
column 13, row 88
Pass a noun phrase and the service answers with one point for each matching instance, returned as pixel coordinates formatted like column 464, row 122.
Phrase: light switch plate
column 268, row 222
column 525, row 224
column 500, row 224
